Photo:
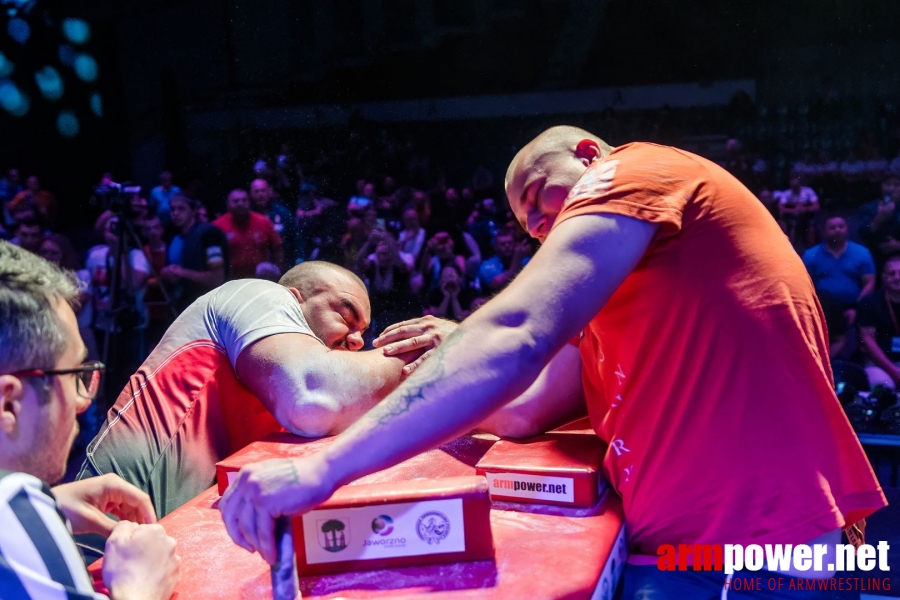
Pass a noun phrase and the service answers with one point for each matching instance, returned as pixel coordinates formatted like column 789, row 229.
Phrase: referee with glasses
column 44, row 384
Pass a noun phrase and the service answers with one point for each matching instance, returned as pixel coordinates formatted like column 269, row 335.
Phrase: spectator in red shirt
column 252, row 238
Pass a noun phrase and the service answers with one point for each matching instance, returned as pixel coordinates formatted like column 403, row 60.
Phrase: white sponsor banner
column 615, row 564
column 534, row 487
column 384, row 531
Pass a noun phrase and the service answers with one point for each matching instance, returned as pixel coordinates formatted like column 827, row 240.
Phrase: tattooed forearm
column 413, row 390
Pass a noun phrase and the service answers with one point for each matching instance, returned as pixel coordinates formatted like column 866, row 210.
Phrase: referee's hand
column 140, row 562
column 87, row 502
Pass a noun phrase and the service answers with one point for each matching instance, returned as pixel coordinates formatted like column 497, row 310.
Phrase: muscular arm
column 497, row 353
column 311, row 390
column 492, row 357
column 555, row 397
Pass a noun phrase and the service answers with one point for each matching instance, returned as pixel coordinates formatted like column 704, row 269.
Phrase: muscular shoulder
column 246, row 310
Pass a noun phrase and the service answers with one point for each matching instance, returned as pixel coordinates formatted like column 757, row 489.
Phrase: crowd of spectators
column 427, row 240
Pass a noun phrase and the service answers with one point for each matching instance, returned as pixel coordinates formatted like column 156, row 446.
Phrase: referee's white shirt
column 38, row 557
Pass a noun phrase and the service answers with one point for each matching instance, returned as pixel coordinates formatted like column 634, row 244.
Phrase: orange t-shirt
column 707, row 370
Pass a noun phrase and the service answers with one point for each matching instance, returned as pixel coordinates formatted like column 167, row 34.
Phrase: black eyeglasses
column 88, row 376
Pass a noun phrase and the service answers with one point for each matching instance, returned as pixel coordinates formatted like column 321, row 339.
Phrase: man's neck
column 241, row 220
column 894, row 297
column 836, row 248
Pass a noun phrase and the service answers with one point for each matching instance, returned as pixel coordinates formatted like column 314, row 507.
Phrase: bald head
column 333, row 300
column 260, row 193
column 309, row 277
column 542, row 173
column 561, row 139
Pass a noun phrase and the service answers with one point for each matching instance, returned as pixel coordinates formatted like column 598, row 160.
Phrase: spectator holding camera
column 880, row 329
column 439, row 252
column 452, row 299
column 879, row 220
column 481, row 224
column 132, row 279
column 497, row 271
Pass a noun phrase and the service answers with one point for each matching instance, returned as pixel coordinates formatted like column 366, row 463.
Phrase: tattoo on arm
column 424, row 378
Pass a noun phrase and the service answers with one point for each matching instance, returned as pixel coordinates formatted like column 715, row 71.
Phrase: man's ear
column 11, row 392
column 297, row 294
column 587, row 150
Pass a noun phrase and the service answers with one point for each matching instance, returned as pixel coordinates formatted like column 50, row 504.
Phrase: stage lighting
column 76, row 30
column 12, row 100
column 67, row 124
column 97, row 104
column 15, row 6
column 50, row 83
column 18, row 30
column 6, row 66
column 86, row 67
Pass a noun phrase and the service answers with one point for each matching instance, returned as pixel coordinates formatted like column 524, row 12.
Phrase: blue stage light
column 50, row 83
column 86, row 67
column 76, row 30
column 12, row 100
column 18, row 30
column 67, row 124
column 97, row 104
column 6, row 66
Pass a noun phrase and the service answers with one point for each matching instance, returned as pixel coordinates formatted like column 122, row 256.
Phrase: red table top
column 541, row 551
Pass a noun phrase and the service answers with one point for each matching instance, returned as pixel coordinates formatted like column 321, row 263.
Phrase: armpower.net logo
column 869, row 563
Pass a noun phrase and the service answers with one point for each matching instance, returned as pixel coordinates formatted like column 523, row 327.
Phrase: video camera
column 877, row 412
column 115, row 197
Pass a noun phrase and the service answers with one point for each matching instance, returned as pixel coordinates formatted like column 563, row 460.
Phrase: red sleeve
column 643, row 181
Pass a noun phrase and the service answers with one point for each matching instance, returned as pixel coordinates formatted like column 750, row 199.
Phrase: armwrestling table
column 541, row 551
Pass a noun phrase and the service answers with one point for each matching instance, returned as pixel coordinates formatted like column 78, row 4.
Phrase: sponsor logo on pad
column 411, row 529
column 433, row 527
column 334, row 534
column 532, row 487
